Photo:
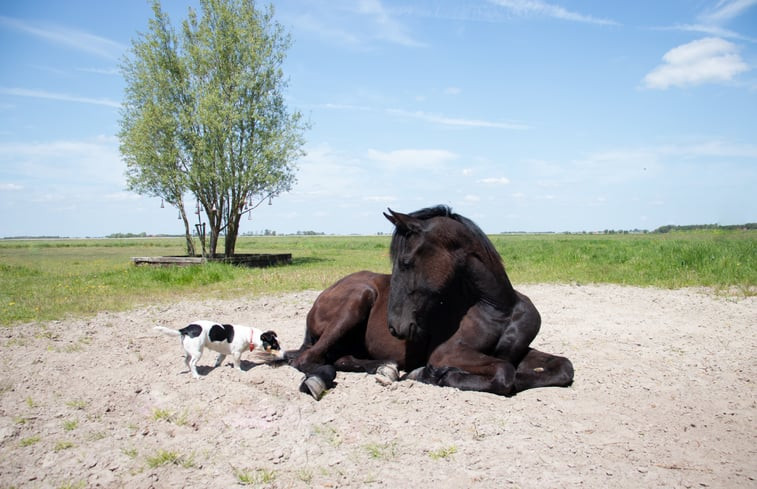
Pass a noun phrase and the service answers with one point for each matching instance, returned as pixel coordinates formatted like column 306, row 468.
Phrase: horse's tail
column 168, row 331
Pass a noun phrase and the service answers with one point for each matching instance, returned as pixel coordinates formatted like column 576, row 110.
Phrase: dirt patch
column 664, row 396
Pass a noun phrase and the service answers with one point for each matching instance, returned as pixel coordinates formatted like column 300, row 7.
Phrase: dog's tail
column 168, row 331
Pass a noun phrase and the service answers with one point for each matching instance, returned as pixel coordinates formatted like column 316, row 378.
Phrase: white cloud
column 122, row 196
column 712, row 21
column 10, row 187
column 727, row 9
column 353, row 24
column 75, row 39
column 455, row 121
column 708, row 60
column 538, row 7
column 325, row 172
column 495, row 181
column 24, row 92
column 710, row 30
column 100, row 71
column 310, row 24
column 64, row 163
column 714, row 148
column 412, row 158
column 388, row 28
column 380, row 198
column 432, row 118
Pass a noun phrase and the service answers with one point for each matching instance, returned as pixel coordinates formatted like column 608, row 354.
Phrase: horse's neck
column 489, row 284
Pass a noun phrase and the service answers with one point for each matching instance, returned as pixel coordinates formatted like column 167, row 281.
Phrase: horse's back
column 351, row 298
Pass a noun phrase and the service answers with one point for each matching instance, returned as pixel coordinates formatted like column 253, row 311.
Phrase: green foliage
column 170, row 416
column 48, row 279
column 77, row 404
column 63, row 445
column 162, row 414
column 170, row 457
column 163, row 457
column 719, row 259
column 205, row 112
column 329, row 434
column 381, row 451
column 697, row 227
column 255, row 477
column 130, row 452
column 73, row 485
column 443, row 453
column 29, row 441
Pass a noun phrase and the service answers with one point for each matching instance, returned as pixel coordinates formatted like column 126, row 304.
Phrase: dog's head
column 270, row 342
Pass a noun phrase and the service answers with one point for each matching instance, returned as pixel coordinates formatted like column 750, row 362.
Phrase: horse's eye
column 406, row 264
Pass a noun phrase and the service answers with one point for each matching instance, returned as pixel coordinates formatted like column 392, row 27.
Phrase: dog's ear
column 270, row 332
column 270, row 342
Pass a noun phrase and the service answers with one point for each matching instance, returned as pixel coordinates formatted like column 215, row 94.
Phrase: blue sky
column 524, row 115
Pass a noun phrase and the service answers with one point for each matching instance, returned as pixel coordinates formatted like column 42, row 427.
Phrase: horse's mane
column 398, row 238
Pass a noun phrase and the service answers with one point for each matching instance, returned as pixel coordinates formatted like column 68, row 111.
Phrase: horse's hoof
column 387, row 373
column 415, row 374
column 313, row 385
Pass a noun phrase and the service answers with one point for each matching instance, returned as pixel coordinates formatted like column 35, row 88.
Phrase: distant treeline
column 36, row 237
column 142, row 235
column 268, row 232
column 692, row 227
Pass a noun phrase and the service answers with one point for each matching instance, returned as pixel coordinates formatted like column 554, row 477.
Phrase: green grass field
column 50, row 279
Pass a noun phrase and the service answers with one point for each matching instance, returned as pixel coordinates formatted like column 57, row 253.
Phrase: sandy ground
column 664, row 397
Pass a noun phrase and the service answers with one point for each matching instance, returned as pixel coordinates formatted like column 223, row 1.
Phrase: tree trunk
column 231, row 234
column 187, row 232
column 214, row 232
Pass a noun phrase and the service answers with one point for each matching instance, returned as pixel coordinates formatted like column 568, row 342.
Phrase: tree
column 204, row 113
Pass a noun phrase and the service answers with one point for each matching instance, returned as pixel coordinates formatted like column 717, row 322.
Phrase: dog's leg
column 219, row 360
column 193, row 367
column 195, row 357
column 238, row 361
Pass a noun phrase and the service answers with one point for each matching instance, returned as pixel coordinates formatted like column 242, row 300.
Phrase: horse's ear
column 403, row 222
column 390, row 217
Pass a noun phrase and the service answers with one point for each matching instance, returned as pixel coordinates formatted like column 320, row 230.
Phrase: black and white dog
column 226, row 339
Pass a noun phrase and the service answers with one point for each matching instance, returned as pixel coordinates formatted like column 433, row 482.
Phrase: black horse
column 448, row 314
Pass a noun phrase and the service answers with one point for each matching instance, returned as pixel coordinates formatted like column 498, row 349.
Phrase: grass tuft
column 162, row 457
column 63, row 445
column 29, row 441
column 255, row 477
column 443, row 453
column 381, row 451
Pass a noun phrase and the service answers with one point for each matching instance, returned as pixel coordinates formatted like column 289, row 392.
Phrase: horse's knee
column 304, row 358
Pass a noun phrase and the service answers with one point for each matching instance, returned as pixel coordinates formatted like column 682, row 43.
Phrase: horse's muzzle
column 402, row 335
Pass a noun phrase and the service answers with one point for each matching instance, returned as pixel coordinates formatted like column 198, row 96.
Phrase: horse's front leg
column 468, row 370
column 386, row 371
column 539, row 369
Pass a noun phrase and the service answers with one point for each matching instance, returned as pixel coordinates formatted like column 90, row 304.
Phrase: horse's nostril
column 392, row 331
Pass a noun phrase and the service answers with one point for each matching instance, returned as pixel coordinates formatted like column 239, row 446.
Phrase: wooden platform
column 247, row 260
